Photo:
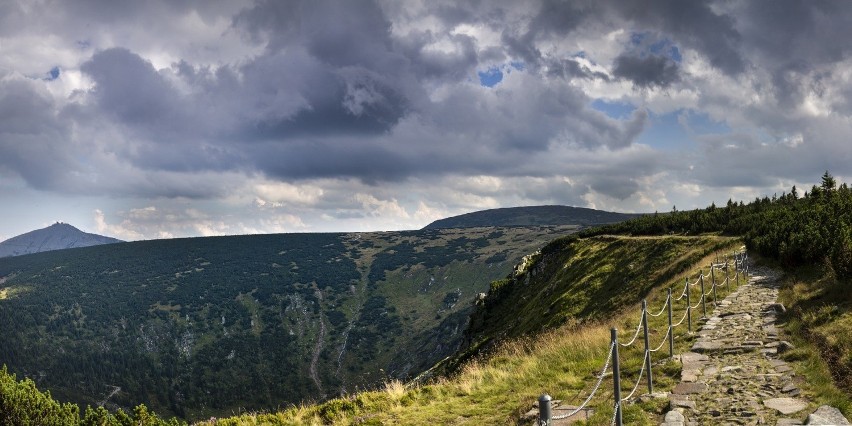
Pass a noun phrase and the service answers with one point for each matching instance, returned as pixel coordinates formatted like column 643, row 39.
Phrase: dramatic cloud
column 236, row 116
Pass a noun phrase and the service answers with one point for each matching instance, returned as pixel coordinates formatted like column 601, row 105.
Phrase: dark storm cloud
column 129, row 88
column 692, row 23
column 29, row 132
column 618, row 187
column 649, row 71
column 376, row 92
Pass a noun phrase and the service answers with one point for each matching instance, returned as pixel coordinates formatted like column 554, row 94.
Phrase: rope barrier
column 665, row 339
column 639, row 379
column 592, row 393
column 739, row 263
column 662, row 309
column 614, row 413
column 696, row 305
column 681, row 320
column 685, row 287
column 638, row 329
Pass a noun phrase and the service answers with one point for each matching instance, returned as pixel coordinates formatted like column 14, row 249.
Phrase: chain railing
column 740, row 268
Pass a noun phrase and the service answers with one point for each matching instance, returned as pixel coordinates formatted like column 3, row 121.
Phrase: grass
column 500, row 385
column 818, row 320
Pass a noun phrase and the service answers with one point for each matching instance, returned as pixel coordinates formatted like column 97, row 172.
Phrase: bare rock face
column 55, row 237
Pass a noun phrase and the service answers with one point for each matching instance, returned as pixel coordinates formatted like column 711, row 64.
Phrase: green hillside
column 532, row 216
column 208, row 326
column 552, row 320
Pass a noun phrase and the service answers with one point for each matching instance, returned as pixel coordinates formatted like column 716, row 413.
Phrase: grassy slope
column 819, row 320
column 601, row 280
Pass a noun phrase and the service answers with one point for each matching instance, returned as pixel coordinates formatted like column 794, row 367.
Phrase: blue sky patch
column 616, row 110
column 670, row 132
column 490, row 77
column 53, row 74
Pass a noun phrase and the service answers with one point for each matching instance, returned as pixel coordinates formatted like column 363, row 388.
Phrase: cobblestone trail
column 733, row 375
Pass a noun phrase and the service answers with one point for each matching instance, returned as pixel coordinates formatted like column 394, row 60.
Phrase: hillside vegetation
column 208, row 326
column 586, row 283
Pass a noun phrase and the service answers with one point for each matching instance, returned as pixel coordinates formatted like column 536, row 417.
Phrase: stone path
column 734, row 374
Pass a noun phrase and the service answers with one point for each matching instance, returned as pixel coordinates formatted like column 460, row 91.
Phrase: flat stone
column 732, row 368
column 681, row 403
column 784, row 346
column 827, row 415
column 674, row 416
column 703, row 346
column 788, row 422
column 789, row 387
column 693, row 357
column 684, row 388
column 786, row 405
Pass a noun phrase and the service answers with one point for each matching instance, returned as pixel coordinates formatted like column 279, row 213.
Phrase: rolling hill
column 532, row 216
column 55, row 237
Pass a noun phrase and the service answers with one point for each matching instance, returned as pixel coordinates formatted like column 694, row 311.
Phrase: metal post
column 737, row 276
column 713, row 279
column 647, row 346
column 671, row 332
column 688, row 308
column 703, row 298
column 616, row 376
column 545, row 414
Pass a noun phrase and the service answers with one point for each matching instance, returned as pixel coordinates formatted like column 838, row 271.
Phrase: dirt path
column 734, row 374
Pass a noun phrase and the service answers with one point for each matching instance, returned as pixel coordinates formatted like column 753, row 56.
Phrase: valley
column 205, row 326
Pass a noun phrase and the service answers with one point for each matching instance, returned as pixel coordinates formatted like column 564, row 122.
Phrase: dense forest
column 208, row 326
column 814, row 227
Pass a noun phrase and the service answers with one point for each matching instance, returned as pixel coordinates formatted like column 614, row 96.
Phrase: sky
column 180, row 118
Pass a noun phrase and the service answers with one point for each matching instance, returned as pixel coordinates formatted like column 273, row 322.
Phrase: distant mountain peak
column 57, row 236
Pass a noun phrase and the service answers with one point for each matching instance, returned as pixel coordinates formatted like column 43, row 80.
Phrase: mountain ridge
column 546, row 215
column 54, row 237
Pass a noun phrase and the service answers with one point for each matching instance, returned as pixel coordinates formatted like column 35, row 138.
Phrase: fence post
column 713, row 279
column 703, row 298
column 671, row 331
column 616, row 376
column 545, row 414
column 647, row 346
column 737, row 275
column 688, row 308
